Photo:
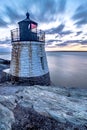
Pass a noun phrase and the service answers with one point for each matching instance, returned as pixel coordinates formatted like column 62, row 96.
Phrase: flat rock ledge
column 42, row 108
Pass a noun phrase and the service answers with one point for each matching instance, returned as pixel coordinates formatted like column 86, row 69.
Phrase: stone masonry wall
column 39, row 80
column 26, row 59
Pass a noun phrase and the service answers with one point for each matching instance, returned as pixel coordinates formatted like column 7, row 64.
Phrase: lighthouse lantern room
column 28, row 59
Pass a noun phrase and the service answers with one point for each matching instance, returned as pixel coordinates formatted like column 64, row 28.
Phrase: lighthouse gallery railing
column 40, row 35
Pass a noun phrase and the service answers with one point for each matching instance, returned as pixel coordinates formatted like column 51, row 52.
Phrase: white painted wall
column 25, row 60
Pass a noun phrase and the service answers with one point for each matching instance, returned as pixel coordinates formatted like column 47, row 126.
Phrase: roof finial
column 27, row 15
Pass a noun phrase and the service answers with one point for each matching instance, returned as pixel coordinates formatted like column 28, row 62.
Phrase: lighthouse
column 28, row 59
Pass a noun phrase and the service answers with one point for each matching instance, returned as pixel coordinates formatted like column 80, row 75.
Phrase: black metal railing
column 38, row 36
column 15, row 35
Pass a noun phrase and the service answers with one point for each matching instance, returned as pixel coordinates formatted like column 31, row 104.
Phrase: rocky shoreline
column 42, row 107
column 4, row 64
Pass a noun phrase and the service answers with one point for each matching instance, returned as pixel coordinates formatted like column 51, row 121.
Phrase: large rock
column 56, row 107
column 8, row 101
column 6, row 118
column 59, row 103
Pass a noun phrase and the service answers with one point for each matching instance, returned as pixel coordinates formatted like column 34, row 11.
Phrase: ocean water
column 6, row 56
column 67, row 69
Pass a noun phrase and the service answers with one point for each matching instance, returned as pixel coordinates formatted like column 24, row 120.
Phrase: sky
column 64, row 22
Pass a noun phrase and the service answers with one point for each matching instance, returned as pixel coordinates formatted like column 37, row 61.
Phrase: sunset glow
column 64, row 22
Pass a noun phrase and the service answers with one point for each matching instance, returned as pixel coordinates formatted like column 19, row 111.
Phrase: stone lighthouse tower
column 28, row 59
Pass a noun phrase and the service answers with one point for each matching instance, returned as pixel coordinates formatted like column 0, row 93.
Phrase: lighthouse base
column 39, row 80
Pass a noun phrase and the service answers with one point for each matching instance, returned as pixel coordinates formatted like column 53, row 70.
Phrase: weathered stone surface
column 45, row 108
column 28, row 59
column 50, row 102
column 6, row 118
column 39, row 80
column 8, row 101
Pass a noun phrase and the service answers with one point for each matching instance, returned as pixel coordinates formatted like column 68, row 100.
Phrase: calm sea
column 67, row 69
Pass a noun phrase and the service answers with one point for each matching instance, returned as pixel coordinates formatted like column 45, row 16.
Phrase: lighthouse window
column 29, row 26
column 33, row 27
column 42, row 62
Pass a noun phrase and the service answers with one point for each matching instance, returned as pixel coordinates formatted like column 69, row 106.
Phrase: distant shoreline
column 66, row 51
column 47, row 51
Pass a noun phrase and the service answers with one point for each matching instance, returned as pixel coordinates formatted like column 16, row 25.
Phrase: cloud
column 50, row 41
column 82, row 42
column 80, row 15
column 60, row 28
column 5, row 45
column 80, row 12
column 78, row 33
column 66, row 43
column 81, row 22
column 55, row 30
column 84, row 46
column 62, row 6
column 6, row 41
column 43, row 10
column 13, row 14
column 62, row 44
column 3, row 24
column 48, row 9
column 63, row 33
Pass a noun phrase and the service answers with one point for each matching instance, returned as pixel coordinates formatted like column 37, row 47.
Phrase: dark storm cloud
column 50, row 8
column 78, row 33
column 3, row 23
column 63, row 33
column 45, row 10
column 62, row 6
column 51, row 41
column 81, row 12
column 84, row 42
column 63, row 44
column 66, row 43
column 66, row 32
column 60, row 28
column 80, row 15
column 13, row 14
column 81, row 22
column 73, row 41
column 55, row 30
